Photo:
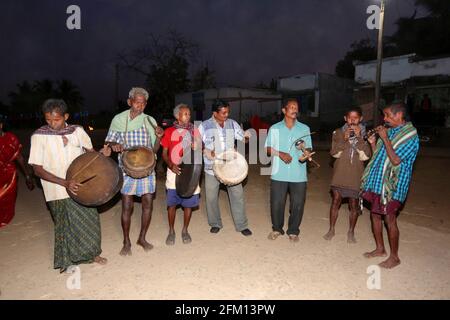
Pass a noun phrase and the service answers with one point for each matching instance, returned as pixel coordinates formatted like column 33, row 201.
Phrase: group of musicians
column 383, row 182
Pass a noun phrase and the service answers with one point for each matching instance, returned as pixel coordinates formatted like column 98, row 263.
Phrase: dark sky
column 246, row 41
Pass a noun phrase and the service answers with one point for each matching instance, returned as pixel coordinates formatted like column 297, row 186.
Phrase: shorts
column 173, row 199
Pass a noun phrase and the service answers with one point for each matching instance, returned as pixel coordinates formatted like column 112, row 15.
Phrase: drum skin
column 138, row 162
column 186, row 183
column 230, row 167
column 103, row 179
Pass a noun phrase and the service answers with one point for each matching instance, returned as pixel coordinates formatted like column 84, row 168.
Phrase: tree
column 164, row 61
column 28, row 98
column 426, row 36
column 362, row 50
column 204, row 78
column 70, row 93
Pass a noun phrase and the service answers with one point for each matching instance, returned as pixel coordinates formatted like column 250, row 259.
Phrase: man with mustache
column 288, row 170
column 386, row 179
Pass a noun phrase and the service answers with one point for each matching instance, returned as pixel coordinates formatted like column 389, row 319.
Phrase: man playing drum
column 53, row 148
column 181, row 136
column 219, row 134
column 288, row 170
column 128, row 129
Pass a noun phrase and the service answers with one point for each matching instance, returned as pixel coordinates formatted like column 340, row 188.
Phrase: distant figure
column 257, row 124
column 425, row 105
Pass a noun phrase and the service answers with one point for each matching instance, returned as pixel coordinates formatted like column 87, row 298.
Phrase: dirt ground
column 228, row 265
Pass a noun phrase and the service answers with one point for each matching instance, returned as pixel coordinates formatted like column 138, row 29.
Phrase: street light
column 376, row 113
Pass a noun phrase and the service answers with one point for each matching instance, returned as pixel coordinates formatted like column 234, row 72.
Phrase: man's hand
column 73, row 186
column 357, row 130
column 159, row 132
column 382, row 132
column 210, row 154
column 106, row 150
column 175, row 169
column 307, row 155
column 30, row 183
column 117, row 147
column 286, row 157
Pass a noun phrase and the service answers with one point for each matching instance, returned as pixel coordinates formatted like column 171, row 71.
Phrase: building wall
column 243, row 102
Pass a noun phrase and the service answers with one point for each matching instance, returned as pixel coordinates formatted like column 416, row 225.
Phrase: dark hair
column 397, row 106
column 54, row 105
column 219, row 104
column 287, row 101
column 354, row 109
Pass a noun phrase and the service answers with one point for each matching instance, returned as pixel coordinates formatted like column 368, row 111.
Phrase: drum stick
column 88, row 179
column 86, row 165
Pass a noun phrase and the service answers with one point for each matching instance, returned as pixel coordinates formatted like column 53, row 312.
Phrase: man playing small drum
column 133, row 128
column 288, row 170
column 219, row 134
column 181, row 136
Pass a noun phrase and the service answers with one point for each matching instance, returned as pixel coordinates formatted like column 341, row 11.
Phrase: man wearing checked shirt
column 386, row 179
column 288, row 170
column 219, row 134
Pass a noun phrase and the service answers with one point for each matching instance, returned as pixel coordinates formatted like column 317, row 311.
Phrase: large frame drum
column 100, row 178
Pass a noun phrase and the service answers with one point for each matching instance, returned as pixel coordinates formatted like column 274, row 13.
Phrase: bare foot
column 144, row 244
column 126, row 250
column 375, row 253
column 329, row 235
column 351, row 237
column 100, row 260
column 390, row 263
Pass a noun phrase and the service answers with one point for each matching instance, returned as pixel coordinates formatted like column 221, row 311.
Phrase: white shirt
column 49, row 152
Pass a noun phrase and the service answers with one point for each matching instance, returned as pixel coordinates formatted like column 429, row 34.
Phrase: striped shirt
column 407, row 152
column 219, row 139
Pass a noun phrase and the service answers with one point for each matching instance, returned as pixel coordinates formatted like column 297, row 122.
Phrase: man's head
column 137, row 100
column 395, row 114
column 182, row 113
column 290, row 109
column 221, row 110
column 353, row 116
column 55, row 113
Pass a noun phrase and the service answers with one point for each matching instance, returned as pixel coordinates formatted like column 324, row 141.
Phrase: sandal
column 273, row 235
column 294, row 238
column 170, row 241
column 186, row 238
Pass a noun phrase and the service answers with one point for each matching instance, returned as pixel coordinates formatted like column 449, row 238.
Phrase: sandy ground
column 228, row 265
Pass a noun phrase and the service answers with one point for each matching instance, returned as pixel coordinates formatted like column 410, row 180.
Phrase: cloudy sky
column 245, row 41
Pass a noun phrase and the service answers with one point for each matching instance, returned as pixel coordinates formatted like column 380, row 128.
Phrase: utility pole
column 116, row 88
column 376, row 112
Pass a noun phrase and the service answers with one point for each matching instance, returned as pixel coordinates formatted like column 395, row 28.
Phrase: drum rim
column 237, row 180
column 114, row 191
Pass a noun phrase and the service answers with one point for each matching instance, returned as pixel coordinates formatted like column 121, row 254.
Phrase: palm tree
column 71, row 94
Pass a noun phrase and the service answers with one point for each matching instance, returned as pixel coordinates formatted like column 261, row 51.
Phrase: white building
column 243, row 102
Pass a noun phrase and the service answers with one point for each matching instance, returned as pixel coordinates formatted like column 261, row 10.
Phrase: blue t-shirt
column 281, row 138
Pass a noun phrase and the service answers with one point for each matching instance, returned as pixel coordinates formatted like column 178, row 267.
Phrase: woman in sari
column 10, row 154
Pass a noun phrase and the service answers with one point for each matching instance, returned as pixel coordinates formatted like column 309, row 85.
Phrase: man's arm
column 393, row 157
column 285, row 157
column 337, row 144
column 48, row 176
column 25, row 170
